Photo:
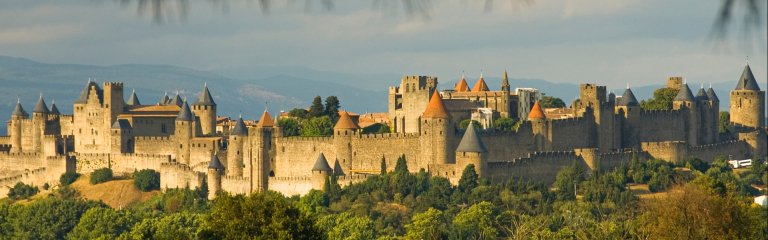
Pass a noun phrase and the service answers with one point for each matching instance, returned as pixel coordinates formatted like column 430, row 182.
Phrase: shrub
column 146, row 180
column 68, row 178
column 46, row 186
column 22, row 191
column 101, row 175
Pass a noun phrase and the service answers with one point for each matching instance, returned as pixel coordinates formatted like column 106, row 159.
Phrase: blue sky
column 609, row 42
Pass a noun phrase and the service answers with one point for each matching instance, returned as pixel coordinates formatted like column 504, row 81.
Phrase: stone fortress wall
column 604, row 133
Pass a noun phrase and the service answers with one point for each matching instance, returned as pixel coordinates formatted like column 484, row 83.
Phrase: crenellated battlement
column 306, row 139
column 659, row 113
column 714, row 145
column 152, row 138
column 387, row 135
column 113, row 84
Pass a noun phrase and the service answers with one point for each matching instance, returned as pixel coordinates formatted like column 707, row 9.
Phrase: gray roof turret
column 711, row 95
column 702, row 95
column 19, row 110
column 205, row 98
column 240, row 128
column 176, row 100
column 133, row 100
column 628, row 99
column 54, row 109
column 121, row 124
column 321, row 164
column 747, row 80
column 165, row 99
column 184, row 114
column 471, row 142
column 337, row 170
column 215, row 163
column 40, row 107
column 684, row 94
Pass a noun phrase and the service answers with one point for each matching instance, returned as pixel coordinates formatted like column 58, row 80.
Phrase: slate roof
column 711, row 95
column 205, row 98
column 240, row 128
column 40, row 107
column 628, row 98
column 684, row 94
column 747, row 80
column 321, row 164
column 471, row 142
column 184, row 114
column 121, row 124
column 19, row 110
column 215, row 163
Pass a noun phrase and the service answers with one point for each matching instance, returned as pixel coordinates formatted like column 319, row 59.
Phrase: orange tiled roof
column 480, row 85
column 435, row 108
column 345, row 121
column 462, row 86
column 536, row 112
column 265, row 120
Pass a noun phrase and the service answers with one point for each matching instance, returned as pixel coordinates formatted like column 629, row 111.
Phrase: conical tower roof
column 40, row 107
column 628, row 99
column 240, row 128
column 702, row 95
column 265, row 120
column 321, row 164
column 471, row 142
column 462, row 85
column 435, row 108
column 165, row 99
column 19, row 110
column 176, row 100
column 215, row 163
column 337, row 170
column 711, row 95
column 54, row 109
column 133, row 100
column 536, row 112
column 747, row 80
column 83, row 98
column 345, row 121
column 205, row 98
column 684, row 94
column 184, row 114
column 480, row 85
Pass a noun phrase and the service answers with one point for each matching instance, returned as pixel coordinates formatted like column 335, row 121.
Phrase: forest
column 694, row 200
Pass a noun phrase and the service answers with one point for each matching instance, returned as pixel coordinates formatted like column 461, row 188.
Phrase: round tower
column 686, row 102
column 343, row 132
column 205, row 110
column 715, row 113
column 630, row 108
column 235, row 149
column 471, row 150
column 39, row 119
column 262, row 142
column 183, row 134
column 436, row 133
column 17, row 117
column 215, row 169
column 540, row 127
column 747, row 102
column 320, row 173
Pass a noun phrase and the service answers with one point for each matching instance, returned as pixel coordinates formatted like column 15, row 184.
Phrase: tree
column 102, row 223
column 475, row 222
column 566, row 180
column 316, row 109
column 48, row 218
column 68, row 178
column 551, row 102
column 146, row 180
column 266, row 215
column 299, row 113
column 724, row 119
column 465, row 123
column 662, row 99
column 181, row 225
column 469, row 179
column 427, row 225
column 316, row 127
column 332, row 107
column 290, row 126
column 383, row 165
column 22, row 191
column 505, row 124
column 101, row 175
column 347, row 227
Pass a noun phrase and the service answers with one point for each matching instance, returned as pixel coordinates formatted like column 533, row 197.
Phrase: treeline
column 710, row 201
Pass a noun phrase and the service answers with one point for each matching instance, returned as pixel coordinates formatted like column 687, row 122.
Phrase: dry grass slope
column 115, row 193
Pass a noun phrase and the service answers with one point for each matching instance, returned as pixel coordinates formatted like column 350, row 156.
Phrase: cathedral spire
column 505, row 82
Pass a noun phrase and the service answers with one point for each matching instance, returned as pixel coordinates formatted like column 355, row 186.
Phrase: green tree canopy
column 316, row 127
column 475, row 222
column 146, row 180
column 427, row 225
column 465, row 123
column 332, row 107
column 316, row 109
column 469, row 179
column 290, row 126
column 662, row 99
column 551, row 102
column 299, row 113
column 505, row 124
column 102, row 223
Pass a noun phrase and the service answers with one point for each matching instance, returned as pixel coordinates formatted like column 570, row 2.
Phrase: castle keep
column 180, row 139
